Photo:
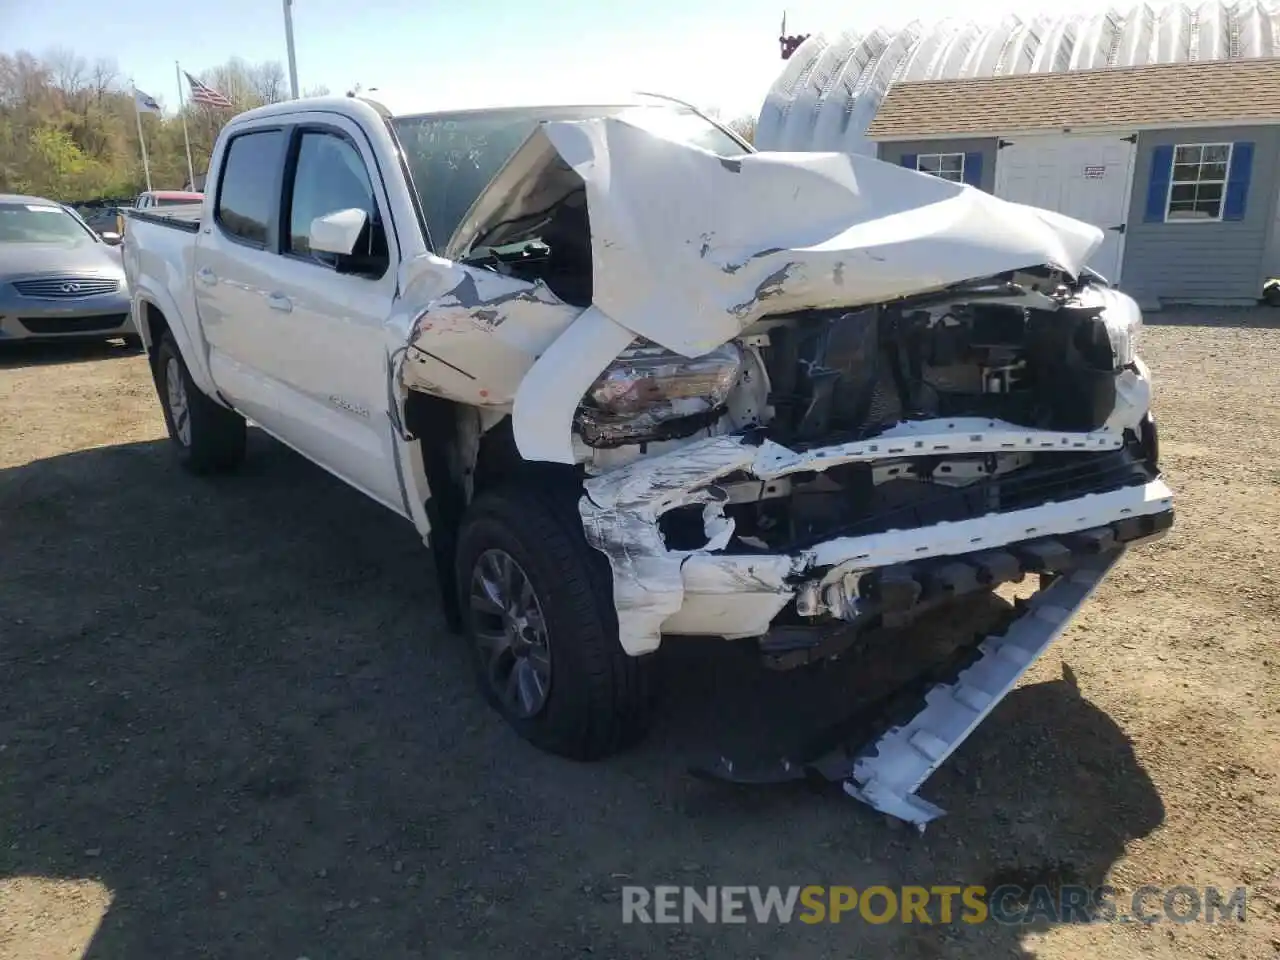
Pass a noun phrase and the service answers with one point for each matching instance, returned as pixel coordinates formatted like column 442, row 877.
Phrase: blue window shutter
column 1237, row 195
column 973, row 169
column 908, row 160
column 1158, row 183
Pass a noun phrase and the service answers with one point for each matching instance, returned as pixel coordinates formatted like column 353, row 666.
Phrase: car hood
column 19, row 260
column 690, row 248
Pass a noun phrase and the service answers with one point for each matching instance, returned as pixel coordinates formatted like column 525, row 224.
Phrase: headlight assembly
column 650, row 393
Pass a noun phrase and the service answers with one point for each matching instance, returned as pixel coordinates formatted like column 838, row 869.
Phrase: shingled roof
column 1154, row 96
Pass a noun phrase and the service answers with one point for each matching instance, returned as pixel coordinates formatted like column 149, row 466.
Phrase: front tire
column 537, row 607
column 208, row 437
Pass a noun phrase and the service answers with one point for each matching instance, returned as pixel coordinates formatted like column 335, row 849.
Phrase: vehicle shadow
column 36, row 353
column 233, row 707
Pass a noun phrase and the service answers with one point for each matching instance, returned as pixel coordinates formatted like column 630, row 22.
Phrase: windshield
column 452, row 157
column 40, row 223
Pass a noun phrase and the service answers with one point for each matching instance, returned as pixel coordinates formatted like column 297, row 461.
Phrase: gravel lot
column 232, row 723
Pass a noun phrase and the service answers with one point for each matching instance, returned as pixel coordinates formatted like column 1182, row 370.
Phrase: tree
column 745, row 127
column 68, row 130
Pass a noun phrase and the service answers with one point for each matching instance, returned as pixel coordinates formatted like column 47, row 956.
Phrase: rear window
column 180, row 202
column 247, row 195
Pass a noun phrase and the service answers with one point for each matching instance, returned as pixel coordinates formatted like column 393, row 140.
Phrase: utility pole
column 288, row 39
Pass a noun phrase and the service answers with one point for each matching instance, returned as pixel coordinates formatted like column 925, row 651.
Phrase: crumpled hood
column 689, row 248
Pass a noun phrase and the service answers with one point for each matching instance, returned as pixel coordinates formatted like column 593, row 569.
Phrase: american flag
column 203, row 93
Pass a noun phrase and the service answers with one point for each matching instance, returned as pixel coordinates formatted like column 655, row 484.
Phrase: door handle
column 205, row 276
column 278, row 301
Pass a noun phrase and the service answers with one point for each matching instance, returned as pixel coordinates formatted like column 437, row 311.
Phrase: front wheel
column 537, row 606
column 209, row 438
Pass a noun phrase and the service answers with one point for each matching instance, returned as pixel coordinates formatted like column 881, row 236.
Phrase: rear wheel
column 209, row 438
column 537, row 606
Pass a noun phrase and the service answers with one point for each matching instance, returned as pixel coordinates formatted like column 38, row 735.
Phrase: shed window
column 948, row 166
column 1199, row 181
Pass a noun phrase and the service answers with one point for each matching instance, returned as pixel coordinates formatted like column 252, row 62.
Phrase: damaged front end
column 905, row 457
column 808, row 398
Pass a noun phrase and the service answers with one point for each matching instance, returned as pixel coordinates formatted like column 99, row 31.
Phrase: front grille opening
column 66, row 288
column 845, row 502
column 45, row 326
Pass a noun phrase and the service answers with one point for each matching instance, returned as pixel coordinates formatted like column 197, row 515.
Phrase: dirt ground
column 232, row 723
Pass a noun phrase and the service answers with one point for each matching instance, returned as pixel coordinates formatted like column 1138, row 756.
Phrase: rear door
column 233, row 277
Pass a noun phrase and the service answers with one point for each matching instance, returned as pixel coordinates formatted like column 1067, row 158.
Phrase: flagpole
column 182, row 111
column 142, row 140
column 288, row 39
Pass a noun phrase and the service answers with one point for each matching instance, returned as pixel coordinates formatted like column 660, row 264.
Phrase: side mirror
column 111, row 238
column 338, row 232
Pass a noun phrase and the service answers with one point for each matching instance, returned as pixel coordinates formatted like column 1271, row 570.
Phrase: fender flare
column 196, row 359
column 549, row 394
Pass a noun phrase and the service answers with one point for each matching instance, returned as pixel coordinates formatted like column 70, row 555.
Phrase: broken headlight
column 650, row 393
column 1123, row 320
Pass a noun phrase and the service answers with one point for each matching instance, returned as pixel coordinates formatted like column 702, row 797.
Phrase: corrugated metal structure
column 830, row 89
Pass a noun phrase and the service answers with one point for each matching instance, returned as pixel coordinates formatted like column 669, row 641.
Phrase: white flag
column 144, row 102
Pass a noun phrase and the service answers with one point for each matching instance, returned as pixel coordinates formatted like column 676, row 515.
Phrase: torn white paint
column 475, row 334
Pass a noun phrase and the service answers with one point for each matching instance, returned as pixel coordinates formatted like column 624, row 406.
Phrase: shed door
column 1085, row 177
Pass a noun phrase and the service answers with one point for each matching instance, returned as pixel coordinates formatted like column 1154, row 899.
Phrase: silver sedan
column 58, row 278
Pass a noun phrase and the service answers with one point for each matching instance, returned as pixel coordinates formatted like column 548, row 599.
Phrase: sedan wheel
column 510, row 633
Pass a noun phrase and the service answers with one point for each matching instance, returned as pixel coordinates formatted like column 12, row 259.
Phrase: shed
column 1176, row 162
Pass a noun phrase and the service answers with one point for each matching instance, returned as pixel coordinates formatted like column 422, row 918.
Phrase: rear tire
column 208, row 437
column 587, row 698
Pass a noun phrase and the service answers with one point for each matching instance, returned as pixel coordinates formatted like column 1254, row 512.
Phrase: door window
column 247, row 194
column 330, row 175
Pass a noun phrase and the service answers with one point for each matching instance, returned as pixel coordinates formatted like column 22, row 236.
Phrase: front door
column 335, row 321
column 1086, row 177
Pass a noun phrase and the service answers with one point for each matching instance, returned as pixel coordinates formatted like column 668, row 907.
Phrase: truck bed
column 179, row 218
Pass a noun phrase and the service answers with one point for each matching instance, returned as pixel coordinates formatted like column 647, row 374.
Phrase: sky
column 720, row 54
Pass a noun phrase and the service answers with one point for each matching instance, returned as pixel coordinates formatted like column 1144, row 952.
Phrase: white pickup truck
column 632, row 380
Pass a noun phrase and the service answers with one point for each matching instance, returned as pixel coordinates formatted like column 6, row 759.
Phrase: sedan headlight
column 650, row 393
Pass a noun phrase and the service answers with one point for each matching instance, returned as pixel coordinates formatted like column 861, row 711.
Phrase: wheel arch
column 154, row 317
column 460, row 461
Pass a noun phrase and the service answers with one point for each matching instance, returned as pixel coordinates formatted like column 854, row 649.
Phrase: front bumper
column 28, row 318
column 713, row 593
